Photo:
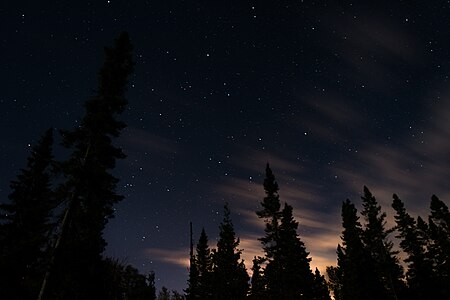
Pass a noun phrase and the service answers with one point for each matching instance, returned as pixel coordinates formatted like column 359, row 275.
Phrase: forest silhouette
column 52, row 244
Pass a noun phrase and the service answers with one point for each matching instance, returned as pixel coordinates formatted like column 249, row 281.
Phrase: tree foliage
column 439, row 232
column 203, row 265
column 230, row 278
column 427, row 249
column 257, row 290
column 320, row 287
column 89, row 189
column 359, row 278
column 26, row 224
column 380, row 248
column 419, row 274
column 124, row 282
column 271, row 214
column 287, row 272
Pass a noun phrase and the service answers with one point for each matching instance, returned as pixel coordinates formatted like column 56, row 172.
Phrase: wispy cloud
column 330, row 118
column 177, row 257
column 370, row 46
column 144, row 141
column 414, row 167
column 254, row 161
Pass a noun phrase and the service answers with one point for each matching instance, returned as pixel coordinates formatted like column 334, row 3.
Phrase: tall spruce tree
column 380, row 248
column 230, row 278
column 287, row 274
column 359, row 280
column 270, row 213
column 203, row 262
column 90, row 188
column 420, row 272
column 26, row 225
column 295, row 279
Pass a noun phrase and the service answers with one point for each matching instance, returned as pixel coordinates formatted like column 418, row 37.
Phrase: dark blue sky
column 333, row 96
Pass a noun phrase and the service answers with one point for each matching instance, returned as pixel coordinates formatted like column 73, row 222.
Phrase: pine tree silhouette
column 359, row 279
column 320, row 287
column 90, row 188
column 420, row 273
column 230, row 278
column 380, row 248
column 287, row 272
column 257, row 290
column 203, row 262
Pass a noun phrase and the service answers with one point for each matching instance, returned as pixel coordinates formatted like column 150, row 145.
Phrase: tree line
column 368, row 265
column 52, row 245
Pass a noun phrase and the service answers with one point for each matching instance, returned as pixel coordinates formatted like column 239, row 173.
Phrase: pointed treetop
column 270, row 185
column 271, row 202
column 113, row 76
column 440, row 212
column 349, row 213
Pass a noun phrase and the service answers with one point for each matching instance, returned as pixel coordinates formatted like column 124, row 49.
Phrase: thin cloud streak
column 177, row 257
column 371, row 47
column 416, row 167
column 254, row 161
column 145, row 141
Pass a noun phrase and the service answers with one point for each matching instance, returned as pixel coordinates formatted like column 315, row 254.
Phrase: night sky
column 333, row 94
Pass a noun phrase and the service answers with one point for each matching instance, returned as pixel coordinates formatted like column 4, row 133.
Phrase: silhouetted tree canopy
column 257, row 290
column 26, row 225
column 287, row 272
column 359, row 279
column 203, row 265
column 230, row 278
column 375, row 237
column 89, row 188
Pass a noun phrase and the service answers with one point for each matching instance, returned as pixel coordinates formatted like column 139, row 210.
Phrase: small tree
column 124, row 282
column 164, row 294
column 176, row 295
